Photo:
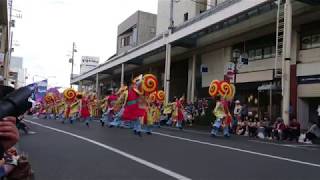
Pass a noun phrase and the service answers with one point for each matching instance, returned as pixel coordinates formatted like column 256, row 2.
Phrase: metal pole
column 97, row 86
column 72, row 62
column 80, row 86
column 171, row 25
column 286, row 61
column 235, row 62
column 193, row 78
column 167, row 72
column 122, row 74
column 270, row 102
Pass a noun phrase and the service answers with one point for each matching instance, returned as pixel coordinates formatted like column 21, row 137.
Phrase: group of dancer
column 138, row 106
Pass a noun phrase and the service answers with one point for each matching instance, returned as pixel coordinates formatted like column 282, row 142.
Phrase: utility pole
column 286, row 61
column 168, row 57
column 72, row 61
column 171, row 15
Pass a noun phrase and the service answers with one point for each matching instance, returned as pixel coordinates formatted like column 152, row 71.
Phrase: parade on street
column 160, row 89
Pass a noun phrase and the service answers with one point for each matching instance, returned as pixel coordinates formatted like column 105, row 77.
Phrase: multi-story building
column 4, row 40
column 135, row 30
column 17, row 74
column 266, row 34
column 88, row 63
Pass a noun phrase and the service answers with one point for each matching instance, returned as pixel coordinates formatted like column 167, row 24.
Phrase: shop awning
column 268, row 87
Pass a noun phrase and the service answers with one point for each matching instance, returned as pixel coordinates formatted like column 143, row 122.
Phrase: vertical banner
column 40, row 90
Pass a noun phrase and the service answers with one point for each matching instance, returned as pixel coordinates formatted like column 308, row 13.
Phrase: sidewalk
column 202, row 130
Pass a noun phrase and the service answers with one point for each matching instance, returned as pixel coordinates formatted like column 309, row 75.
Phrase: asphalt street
column 76, row 152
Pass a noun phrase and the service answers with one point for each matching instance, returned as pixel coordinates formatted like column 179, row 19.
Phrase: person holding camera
column 9, row 136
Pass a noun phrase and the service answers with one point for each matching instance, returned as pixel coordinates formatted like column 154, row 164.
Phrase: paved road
column 75, row 152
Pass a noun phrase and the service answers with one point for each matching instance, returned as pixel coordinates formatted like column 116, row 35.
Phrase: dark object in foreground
column 16, row 102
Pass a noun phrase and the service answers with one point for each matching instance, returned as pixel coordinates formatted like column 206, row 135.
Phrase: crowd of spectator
column 245, row 123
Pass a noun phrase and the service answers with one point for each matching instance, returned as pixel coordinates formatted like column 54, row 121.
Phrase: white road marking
column 122, row 153
column 186, row 130
column 298, row 146
column 239, row 150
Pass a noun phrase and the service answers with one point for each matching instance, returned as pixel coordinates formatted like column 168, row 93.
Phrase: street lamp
column 235, row 60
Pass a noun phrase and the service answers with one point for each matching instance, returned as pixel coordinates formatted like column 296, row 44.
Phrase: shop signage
column 204, row 69
column 309, row 79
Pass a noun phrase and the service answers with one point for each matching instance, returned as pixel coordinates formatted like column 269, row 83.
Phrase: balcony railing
column 205, row 14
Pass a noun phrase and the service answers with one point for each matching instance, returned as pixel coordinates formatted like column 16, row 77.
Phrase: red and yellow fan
column 69, row 94
column 161, row 95
column 149, row 83
column 49, row 98
column 152, row 97
column 214, row 88
column 223, row 89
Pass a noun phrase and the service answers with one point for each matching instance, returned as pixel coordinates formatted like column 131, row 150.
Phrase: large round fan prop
column 69, row 94
column 233, row 92
column 150, row 83
column 214, row 88
column 161, row 96
column 153, row 97
column 223, row 89
column 49, row 98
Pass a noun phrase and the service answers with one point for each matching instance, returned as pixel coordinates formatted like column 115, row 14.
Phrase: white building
column 208, row 38
column 88, row 63
column 4, row 40
column 135, row 30
column 17, row 74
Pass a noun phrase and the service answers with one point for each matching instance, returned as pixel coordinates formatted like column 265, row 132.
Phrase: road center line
column 122, row 153
column 239, row 150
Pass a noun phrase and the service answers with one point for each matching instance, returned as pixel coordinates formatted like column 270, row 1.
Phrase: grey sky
column 48, row 27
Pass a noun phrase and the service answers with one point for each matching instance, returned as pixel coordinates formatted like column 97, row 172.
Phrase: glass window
column 186, row 16
column 267, row 52
column 258, row 54
column 316, row 40
column 251, row 54
column 122, row 42
column 273, row 53
column 306, row 42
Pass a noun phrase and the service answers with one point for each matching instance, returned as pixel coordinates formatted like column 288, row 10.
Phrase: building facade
column 88, row 63
column 17, row 74
column 200, row 47
column 135, row 30
column 4, row 40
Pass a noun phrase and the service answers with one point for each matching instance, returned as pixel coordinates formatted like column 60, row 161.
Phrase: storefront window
column 267, row 52
column 251, row 55
column 306, row 42
column 258, row 54
column 315, row 40
column 273, row 53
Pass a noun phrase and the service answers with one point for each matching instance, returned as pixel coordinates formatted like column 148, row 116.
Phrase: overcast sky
column 47, row 29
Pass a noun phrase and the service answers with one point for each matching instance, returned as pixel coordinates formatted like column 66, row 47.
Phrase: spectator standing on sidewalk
column 294, row 130
column 244, row 111
column 236, row 115
column 313, row 133
column 278, row 129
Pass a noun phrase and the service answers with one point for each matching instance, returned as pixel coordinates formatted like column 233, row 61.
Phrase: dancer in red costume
column 84, row 110
column 179, row 109
column 132, row 112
